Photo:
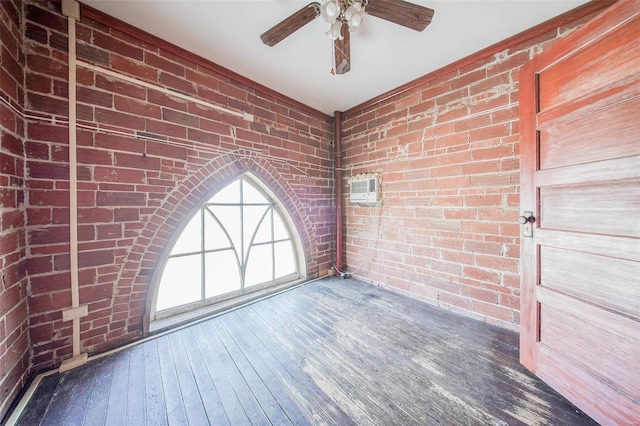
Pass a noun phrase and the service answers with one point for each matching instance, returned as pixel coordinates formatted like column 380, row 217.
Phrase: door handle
column 527, row 219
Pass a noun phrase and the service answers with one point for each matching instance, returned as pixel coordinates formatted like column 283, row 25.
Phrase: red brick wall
column 14, row 337
column 154, row 159
column 448, row 153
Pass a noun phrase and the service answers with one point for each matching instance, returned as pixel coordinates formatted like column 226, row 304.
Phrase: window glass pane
column 264, row 233
column 181, row 282
column 251, row 195
column 259, row 266
column 228, row 194
column 229, row 217
column 252, row 217
column 284, row 258
column 214, row 237
column 221, row 273
column 279, row 229
column 190, row 239
column 225, row 230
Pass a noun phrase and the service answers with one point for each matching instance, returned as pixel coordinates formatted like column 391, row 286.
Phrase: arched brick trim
column 135, row 279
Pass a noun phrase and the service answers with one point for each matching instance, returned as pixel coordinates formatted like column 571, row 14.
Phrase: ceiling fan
column 345, row 17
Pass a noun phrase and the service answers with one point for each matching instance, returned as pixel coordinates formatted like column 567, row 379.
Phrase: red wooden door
column 580, row 179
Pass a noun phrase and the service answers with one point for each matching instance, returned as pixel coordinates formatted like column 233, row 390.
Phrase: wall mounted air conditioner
column 365, row 188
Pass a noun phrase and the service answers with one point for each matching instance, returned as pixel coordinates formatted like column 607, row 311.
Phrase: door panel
column 558, row 334
column 605, row 207
column 625, row 90
column 560, row 144
column 577, row 385
column 590, row 68
column 575, row 273
column 580, row 175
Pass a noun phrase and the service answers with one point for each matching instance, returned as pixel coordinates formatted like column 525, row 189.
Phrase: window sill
column 202, row 313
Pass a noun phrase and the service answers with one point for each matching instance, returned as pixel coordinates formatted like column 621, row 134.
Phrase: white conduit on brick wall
column 73, row 185
column 72, row 10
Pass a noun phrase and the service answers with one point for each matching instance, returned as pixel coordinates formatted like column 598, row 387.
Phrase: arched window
column 239, row 241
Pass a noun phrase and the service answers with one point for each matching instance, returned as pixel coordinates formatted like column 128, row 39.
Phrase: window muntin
column 236, row 243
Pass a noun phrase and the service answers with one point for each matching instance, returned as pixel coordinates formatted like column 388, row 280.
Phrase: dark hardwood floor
column 330, row 352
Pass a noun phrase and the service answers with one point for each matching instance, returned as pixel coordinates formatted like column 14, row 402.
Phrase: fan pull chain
column 333, row 58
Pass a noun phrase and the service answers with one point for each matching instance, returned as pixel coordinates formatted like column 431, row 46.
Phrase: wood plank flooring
column 329, row 352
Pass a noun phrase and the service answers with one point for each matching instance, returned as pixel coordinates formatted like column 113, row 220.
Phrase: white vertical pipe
column 73, row 185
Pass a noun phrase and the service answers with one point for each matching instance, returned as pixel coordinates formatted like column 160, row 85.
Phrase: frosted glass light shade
column 354, row 16
column 335, row 31
column 330, row 11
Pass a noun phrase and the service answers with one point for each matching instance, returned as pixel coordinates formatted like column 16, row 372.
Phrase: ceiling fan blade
column 400, row 12
column 343, row 52
column 291, row 24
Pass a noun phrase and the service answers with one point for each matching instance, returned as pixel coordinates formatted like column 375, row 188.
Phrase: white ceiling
column 383, row 55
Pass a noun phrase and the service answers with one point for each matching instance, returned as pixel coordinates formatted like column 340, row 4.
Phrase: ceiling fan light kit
column 336, row 13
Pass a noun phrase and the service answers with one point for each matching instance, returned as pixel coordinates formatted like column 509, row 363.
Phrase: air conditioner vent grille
column 365, row 189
